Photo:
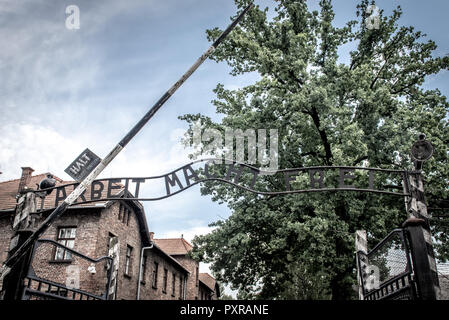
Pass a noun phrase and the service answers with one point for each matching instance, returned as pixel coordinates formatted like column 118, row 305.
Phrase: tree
column 367, row 112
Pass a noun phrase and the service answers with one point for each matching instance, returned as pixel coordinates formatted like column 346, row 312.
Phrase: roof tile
column 208, row 280
column 9, row 190
column 177, row 246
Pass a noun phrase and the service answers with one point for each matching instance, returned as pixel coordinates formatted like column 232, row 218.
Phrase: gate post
column 13, row 283
column 418, row 226
column 422, row 259
column 361, row 244
column 23, row 224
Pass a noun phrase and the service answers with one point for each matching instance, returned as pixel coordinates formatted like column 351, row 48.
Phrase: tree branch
column 299, row 81
column 360, row 159
column 323, row 136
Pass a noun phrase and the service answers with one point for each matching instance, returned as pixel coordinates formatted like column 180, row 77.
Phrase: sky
column 63, row 90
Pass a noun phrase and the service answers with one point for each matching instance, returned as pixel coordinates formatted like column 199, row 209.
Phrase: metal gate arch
column 416, row 279
column 421, row 244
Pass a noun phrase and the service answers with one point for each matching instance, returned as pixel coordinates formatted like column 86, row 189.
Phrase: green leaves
column 368, row 112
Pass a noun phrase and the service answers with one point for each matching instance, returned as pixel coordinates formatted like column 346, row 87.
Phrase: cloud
column 64, row 90
column 43, row 66
column 187, row 233
column 48, row 67
column 41, row 148
column 140, row 158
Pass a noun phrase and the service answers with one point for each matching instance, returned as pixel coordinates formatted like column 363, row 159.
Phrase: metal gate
column 386, row 271
column 75, row 277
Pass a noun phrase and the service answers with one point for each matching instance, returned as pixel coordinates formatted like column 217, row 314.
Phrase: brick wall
column 5, row 235
column 94, row 226
column 45, row 266
column 204, row 292
column 149, row 291
column 193, row 279
column 128, row 235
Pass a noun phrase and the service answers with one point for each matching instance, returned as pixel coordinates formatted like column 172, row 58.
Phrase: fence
column 386, row 271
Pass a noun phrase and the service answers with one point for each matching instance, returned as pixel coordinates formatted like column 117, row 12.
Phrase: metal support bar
column 361, row 244
column 421, row 238
column 420, row 256
column 140, row 269
column 13, row 284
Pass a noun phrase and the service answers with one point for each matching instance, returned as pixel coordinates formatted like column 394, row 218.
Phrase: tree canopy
column 367, row 112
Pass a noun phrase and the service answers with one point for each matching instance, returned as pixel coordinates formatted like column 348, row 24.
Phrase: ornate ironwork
column 232, row 172
column 422, row 149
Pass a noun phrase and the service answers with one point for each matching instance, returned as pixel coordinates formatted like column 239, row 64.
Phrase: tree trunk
column 341, row 287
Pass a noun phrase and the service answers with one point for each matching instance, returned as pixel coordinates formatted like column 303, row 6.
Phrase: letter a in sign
column 83, row 165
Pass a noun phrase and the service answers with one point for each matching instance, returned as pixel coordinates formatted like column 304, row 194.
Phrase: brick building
column 141, row 267
column 209, row 288
column 199, row 287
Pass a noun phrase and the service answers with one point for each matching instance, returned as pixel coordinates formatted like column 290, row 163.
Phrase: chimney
column 25, row 179
column 151, row 236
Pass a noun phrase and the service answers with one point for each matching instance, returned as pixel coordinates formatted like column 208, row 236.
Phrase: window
column 113, row 250
column 197, row 279
column 129, row 250
column 144, row 270
column 66, row 237
column 173, row 285
column 164, row 288
column 124, row 214
column 155, row 270
column 112, row 241
column 120, row 212
column 180, row 287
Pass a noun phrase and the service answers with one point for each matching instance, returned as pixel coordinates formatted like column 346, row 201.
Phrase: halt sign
column 83, row 165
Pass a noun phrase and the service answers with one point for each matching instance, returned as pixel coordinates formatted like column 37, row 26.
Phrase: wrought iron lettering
column 296, row 180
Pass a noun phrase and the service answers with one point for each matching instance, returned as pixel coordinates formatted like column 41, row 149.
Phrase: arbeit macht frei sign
column 296, row 180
